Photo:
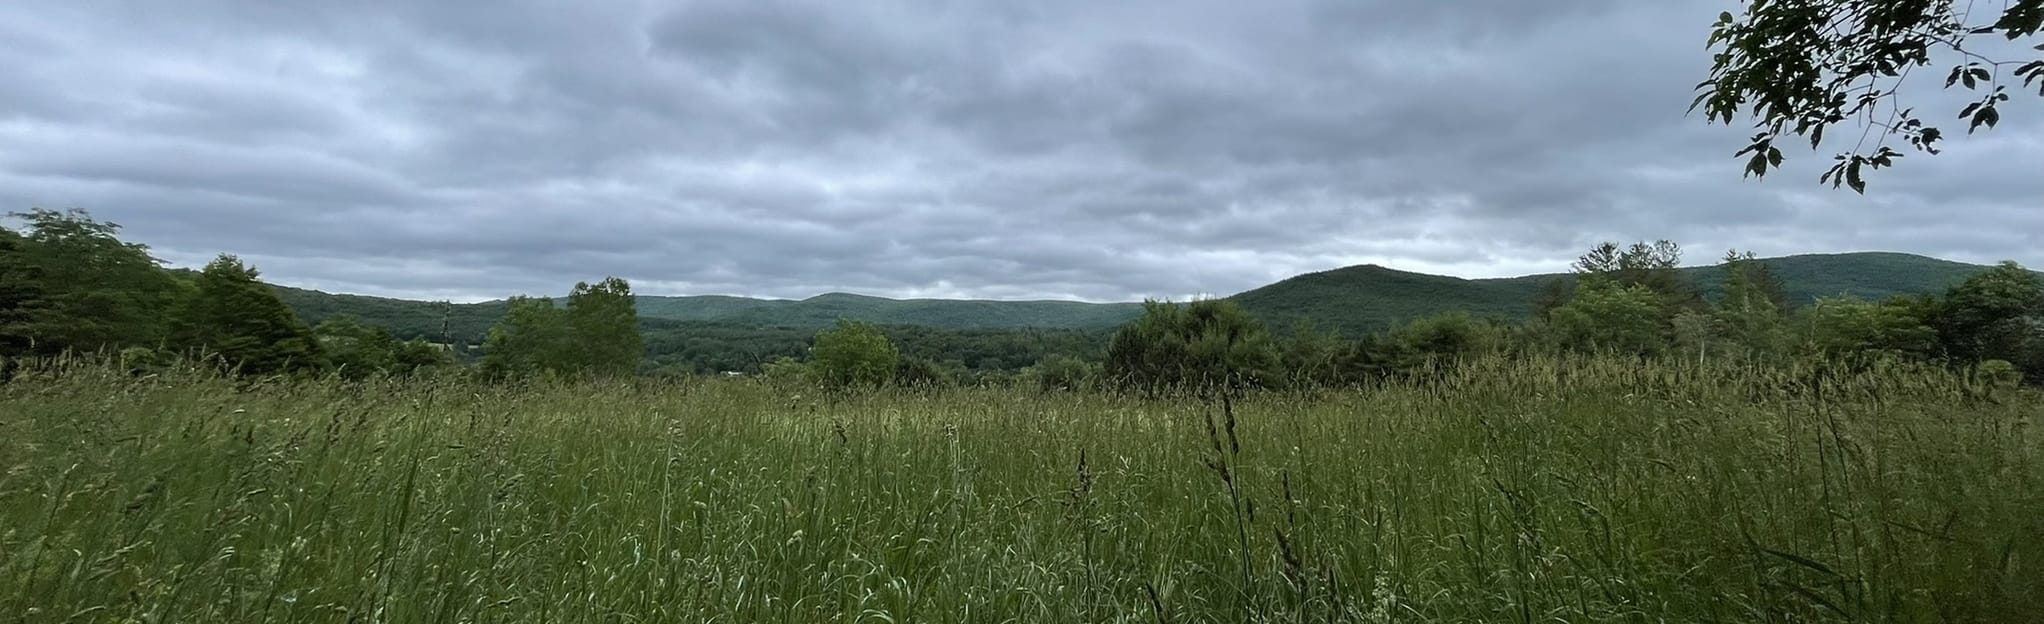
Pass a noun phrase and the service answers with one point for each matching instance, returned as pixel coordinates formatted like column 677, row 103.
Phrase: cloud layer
column 1062, row 149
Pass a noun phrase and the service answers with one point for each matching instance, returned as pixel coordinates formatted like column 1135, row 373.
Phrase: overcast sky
column 1059, row 149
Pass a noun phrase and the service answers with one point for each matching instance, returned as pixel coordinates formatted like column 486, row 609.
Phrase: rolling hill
column 1370, row 297
column 1347, row 300
column 823, row 310
column 470, row 322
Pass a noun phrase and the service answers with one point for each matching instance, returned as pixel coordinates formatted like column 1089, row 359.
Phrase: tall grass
column 1550, row 491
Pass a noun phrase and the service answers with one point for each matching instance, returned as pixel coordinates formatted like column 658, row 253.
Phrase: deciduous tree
column 67, row 282
column 232, row 317
column 853, row 355
column 1801, row 67
column 603, row 326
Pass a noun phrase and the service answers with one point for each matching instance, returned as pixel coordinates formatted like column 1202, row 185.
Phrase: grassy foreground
column 1582, row 491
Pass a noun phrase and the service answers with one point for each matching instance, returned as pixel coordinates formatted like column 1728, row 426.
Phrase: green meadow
column 1541, row 490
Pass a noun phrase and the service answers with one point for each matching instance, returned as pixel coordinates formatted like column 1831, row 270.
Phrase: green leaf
column 1853, row 180
column 1757, row 166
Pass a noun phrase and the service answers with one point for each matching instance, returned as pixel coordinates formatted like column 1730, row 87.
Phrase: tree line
column 68, row 284
column 1627, row 300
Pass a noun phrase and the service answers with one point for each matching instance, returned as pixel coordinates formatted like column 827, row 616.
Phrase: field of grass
column 1583, row 491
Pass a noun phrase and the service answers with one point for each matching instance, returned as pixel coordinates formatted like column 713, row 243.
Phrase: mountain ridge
column 1350, row 299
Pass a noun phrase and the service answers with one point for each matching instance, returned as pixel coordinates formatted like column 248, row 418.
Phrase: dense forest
column 69, row 284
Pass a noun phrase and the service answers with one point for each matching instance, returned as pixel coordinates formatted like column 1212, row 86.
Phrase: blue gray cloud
column 928, row 148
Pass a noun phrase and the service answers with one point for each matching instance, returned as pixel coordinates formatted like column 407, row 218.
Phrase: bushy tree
column 357, row 350
column 603, row 327
column 232, row 317
column 1847, row 327
column 784, row 371
column 1205, row 346
column 20, row 292
column 1063, row 373
column 1609, row 317
column 924, row 374
column 1997, row 314
column 1750, row 318
column 852, row 355
column 1424, row 346
column 1655, row 267
column 596, row 334
column 531, row 338
column 67, row 282
column 1309, row 357
column 1991, row 313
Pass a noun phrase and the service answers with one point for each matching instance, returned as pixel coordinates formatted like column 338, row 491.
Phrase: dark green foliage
column 434, row 321
column 1995, row 315
column 1357, row 300
column 359, row 351
column 1204, row 346
column 1802, row 66
column 67, row 283
column 1846, row 327
column 713, row 347
column 1063, row 373
column 1750, row 317
column 922, row 374
column 1309, row 357
column 531, row 339
column 19, row 292
column 825, row 310
column 853, row 355
column 596, row 334
column 603, row 329
column 1655, row 267
column 1350, row 302
column 1607, row 317
column 1423, row 348
column 1867, row 275
column 235, row 319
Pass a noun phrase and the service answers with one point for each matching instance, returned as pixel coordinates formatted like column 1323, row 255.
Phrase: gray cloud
column 929, row 148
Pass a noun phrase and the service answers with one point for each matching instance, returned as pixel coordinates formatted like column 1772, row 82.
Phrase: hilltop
column 1369, row 297
column 1347, row 300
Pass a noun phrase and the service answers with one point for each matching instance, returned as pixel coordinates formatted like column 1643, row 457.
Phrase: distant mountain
column 823, row 310
column 1867, row 275
column 458, row 322
column 1349, row 300
column 470, row 322
column 1368, row 297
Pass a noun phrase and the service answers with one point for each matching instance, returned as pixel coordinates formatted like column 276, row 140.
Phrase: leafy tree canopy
column 232, row 316
column 1203, row 346
column 67, row 282
column 853, row 355
column 1799, row 67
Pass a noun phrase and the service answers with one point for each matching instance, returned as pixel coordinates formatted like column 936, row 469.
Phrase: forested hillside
column 1351, row 300
column 1366, row 298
